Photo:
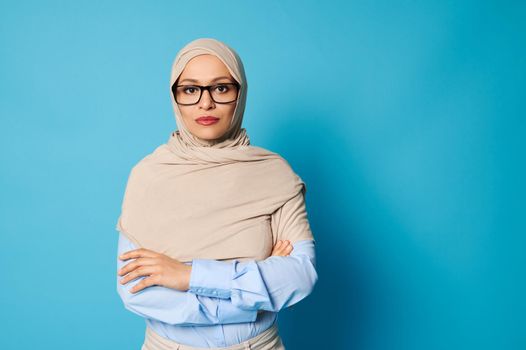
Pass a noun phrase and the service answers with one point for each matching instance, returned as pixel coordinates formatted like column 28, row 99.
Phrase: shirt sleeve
column 173, row 306
column 271, row 284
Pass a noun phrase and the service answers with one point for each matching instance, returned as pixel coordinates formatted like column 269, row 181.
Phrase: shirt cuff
column 211, row 278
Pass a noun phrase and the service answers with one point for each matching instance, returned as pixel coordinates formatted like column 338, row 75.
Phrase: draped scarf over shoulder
column 194, row 198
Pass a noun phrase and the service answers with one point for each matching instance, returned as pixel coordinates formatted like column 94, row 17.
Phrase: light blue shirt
column 227, row 302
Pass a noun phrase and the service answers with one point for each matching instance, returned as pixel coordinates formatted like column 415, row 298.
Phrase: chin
column 212, row 135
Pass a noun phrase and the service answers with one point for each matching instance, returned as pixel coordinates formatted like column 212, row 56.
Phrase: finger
column 136, row 263
column 280, row 252
column 147, row 282
column 284, row 246
column 138, row 272
column 137, row 253
column 276, row 246
column 286, row 249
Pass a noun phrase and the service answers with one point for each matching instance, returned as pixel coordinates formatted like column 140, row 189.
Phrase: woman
column 214, row 236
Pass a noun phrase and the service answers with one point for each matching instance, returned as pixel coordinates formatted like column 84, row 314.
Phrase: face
column 206, row 70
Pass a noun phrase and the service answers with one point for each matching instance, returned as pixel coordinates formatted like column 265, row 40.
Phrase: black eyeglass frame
column 201, row 89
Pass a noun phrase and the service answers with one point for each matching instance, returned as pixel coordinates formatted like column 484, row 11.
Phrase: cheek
column 190, row 112
column 230, row 113
column 185, row 112
column 187, row 117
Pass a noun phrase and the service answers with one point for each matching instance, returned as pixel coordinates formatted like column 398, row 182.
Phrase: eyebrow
column 196, row 81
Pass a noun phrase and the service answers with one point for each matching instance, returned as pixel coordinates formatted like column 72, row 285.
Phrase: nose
column 206, row 100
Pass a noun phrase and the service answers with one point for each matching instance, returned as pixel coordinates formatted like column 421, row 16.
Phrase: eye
column 190, row 89
column 222, row 88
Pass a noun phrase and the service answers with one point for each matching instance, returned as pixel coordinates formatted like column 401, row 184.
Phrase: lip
column 207, row 120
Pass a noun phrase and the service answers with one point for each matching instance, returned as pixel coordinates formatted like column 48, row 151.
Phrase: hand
column 161, row 269
column 282, row 248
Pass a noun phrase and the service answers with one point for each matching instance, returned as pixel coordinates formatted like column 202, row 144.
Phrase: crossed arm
column 225, row 292
column 233, row 292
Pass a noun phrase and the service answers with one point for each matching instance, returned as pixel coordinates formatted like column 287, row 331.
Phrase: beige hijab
column 193, row 198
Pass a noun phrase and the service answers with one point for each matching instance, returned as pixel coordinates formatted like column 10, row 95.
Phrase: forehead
column 205, row 68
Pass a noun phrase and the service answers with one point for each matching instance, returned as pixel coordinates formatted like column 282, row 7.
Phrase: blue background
column 406, row 120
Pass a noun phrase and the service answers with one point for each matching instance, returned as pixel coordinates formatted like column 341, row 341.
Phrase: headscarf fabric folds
column 223, row 199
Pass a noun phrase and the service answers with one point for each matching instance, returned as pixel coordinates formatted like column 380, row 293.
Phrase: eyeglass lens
column 221, row 93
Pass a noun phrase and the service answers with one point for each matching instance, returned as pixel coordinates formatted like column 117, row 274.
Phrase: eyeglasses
column 187, row 95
